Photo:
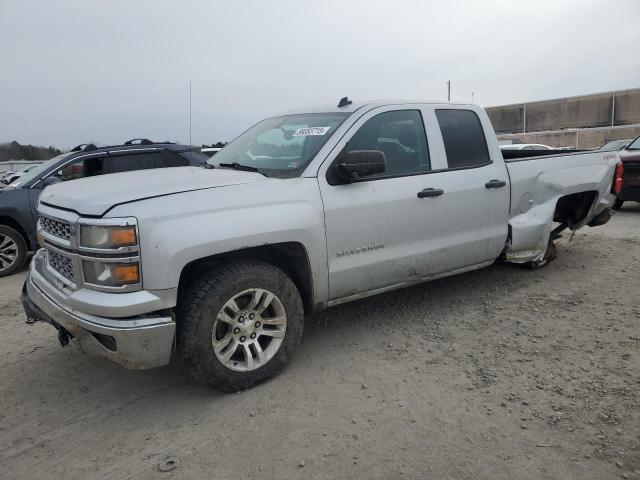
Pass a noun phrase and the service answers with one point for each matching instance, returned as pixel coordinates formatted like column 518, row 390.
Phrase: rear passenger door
column 476, row 194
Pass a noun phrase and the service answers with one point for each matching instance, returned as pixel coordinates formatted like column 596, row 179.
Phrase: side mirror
column 356, row 164
column 51, row 180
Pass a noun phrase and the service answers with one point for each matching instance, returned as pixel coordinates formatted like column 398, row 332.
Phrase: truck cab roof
column 359, row 104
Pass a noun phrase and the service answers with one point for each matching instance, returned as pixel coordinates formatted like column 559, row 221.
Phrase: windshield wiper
column 239, row 166
column 207, row 165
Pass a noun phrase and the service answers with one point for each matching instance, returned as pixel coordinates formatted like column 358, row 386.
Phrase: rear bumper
column 139, row 342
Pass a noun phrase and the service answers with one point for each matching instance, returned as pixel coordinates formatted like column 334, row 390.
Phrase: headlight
column 94, row 236
column 108, row 274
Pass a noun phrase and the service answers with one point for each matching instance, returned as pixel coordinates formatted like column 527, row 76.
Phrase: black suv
column 18, row 201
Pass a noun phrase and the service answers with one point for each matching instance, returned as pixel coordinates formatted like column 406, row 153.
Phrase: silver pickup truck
column 304, row 210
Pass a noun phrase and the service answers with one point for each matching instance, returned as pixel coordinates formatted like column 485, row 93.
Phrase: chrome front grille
column 56, row 228
column 61, row 264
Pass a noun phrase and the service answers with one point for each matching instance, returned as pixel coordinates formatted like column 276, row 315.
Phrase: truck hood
column 96, row 195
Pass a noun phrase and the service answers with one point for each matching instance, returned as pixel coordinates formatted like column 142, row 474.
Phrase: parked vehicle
column 11, row 176
column 4, row 177
column 304, row 210
column 630, row 190
column 213, row 149
column 616, row 144
column 525, row 146
column 18, row 200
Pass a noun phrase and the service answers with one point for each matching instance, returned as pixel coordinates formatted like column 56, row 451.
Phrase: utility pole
column 472, row 97
column 613, row 109
column 448, row 90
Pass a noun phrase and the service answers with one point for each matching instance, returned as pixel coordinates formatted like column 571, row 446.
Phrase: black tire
column 550, row 253
column 206, row 296
column 617, row 204
column 19, row 248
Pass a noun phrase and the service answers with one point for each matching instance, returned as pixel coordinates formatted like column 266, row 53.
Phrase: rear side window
column 128, row 163
column 170, row 159
column 463, row 137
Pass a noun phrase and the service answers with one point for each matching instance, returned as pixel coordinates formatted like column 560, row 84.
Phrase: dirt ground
column 502, row 373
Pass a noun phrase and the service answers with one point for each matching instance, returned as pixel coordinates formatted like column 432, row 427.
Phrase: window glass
column 193, row 157
column 463, row 137
column 80, row 169
column 281, row 146
column 128, row 163
column 170, row 159
column 43, row 167
column 400, row 136
column 635, row 145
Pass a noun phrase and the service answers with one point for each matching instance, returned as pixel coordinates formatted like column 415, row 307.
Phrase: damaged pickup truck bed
column 302, row 211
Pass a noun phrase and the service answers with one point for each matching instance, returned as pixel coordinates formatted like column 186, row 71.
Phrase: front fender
column 178, row 229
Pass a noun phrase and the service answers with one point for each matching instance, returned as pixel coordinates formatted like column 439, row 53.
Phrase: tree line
column 15, row 151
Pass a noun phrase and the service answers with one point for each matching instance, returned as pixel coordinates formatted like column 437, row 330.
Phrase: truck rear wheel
column 239, row 324
column 13, row 251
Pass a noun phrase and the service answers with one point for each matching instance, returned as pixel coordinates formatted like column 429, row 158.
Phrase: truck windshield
column 281, row 146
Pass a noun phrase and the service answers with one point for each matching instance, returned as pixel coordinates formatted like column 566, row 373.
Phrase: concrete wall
column 575, row 137
column 586, row 111
column 627, row 107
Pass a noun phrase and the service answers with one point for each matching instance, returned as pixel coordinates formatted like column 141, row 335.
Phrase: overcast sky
column 106, row 71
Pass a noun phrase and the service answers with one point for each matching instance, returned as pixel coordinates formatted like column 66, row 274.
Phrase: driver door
column 379, row 233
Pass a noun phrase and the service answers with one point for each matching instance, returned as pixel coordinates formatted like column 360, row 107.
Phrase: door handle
column 430, row 192
column 495, row 183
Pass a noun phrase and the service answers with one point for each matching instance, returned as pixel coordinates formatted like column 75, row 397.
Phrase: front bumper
column 136, row 342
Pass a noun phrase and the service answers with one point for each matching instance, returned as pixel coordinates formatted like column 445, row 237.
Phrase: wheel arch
column 573, row 208
column 529, row 232
column 290, row 257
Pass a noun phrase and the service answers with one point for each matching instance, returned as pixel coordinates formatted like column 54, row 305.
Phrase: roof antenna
column 344, row 101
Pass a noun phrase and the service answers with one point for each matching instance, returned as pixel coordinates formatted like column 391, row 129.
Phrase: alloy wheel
column 249, row 329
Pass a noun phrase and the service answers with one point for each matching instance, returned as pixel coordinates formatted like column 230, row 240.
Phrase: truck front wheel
column 239, row 324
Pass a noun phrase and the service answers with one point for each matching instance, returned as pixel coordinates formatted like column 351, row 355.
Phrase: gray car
column 19, row 199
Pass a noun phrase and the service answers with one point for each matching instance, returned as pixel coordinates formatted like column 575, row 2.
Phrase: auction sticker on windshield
column 304, row 132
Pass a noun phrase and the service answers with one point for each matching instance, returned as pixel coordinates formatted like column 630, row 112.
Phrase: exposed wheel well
column 290, row 257
column 10, row 222
column 572, row 209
